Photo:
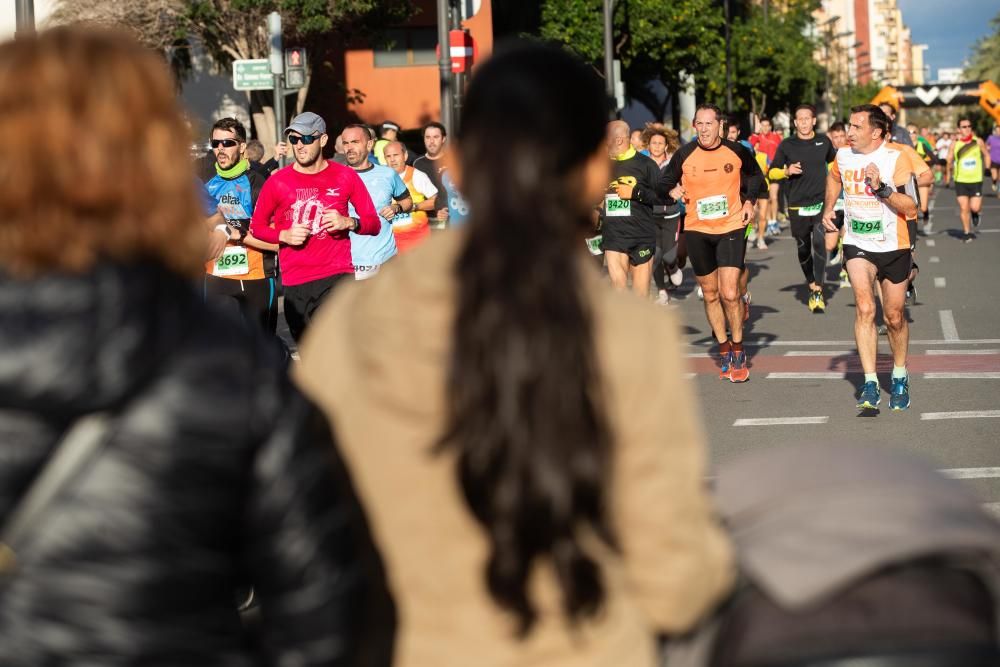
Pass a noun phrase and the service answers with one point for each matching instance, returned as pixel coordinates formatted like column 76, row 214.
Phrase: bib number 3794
column 232, row 262
column 869, row 229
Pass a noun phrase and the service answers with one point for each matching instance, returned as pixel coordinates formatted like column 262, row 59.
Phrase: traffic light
column 295, row 67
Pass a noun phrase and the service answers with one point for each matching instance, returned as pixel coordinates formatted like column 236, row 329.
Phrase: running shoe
column 761, row 244
column 870, row 396
column 746, row 306
column 727, row 361
column 899, row 397
column 968, row 238
column 676, row 277
column 975, row 220
column 845, row 280
column 701, row 293
column 662, row 298
column 882, row 330
column 816, row 302
column 738, row 371
column 773, row 228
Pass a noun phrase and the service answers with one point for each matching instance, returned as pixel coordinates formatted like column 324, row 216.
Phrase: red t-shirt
column 292, row 197
column 766, row 143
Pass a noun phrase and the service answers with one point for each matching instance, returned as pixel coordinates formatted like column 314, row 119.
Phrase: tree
column 985, row 63
column 655, row 40
column 772, row 60
column 237, row 29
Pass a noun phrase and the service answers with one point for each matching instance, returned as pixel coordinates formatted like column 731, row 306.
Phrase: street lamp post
column 609, row 56
column 729, row 67
column 444, row 64
column 25, row 17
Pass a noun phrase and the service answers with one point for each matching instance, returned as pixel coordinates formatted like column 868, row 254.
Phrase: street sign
column 252, row 74
column 470, row 8
column 463, row 50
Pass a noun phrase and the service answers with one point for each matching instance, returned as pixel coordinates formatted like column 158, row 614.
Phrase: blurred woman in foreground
column 211, row 471
column 520, row 436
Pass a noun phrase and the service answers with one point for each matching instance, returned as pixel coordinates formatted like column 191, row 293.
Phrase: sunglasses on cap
column 228, row 143
column 306, row 139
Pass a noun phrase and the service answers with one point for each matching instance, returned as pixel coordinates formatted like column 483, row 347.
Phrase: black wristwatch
column 884, row 191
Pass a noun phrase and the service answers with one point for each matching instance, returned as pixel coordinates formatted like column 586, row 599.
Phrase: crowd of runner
column 851, row 199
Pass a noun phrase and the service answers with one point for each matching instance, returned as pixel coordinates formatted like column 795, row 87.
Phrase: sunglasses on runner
column 306, row 139
column 228, row 143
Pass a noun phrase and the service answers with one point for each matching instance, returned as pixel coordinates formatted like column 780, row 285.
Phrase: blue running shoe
column 899, row 397
column 727, row 360
column 870, row 396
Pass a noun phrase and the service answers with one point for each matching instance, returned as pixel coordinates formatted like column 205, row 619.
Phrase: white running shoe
column 701, row 294
column 676, row 277
column 761, row 244
column 663, row 298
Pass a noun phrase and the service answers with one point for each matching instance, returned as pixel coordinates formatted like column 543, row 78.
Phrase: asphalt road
column 804, row 369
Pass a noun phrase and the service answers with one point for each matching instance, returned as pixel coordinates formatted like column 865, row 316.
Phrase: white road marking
column 982, row 351
column 757, row 343
column 987, row 375
column 806, row 376
column 940, row 282
column 930, row 243
column 818, row 353
column 780, row 421
column 971, row 473
column 987, row 231
column 935, row 260
column 948, row 328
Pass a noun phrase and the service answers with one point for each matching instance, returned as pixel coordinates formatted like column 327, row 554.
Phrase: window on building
column 407, row 47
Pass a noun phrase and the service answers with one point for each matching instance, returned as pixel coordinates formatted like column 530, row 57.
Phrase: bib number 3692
column 232, row 262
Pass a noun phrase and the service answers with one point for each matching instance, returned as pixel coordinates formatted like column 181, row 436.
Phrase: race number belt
column 594, row 245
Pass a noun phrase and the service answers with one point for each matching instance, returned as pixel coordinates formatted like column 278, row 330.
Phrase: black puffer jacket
column 216, row 472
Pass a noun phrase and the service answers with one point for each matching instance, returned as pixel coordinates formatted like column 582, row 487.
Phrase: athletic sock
column 737, row 347
column 725, row 348
column 871, row 377
column 899, row 372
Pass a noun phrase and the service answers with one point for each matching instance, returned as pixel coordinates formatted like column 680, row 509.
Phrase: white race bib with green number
column 233, row 262
column 594, row 245
column 969, row 163
column 616, row 207
column 713, row 208
column 870, row 230
column 813, row 209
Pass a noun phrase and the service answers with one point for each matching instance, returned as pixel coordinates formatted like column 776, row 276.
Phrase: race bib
column 713, row 208
column 814, row 209
column 871, row 230
column 969, row 163
column 594, row 245
column 616, row 207
column 232, row 262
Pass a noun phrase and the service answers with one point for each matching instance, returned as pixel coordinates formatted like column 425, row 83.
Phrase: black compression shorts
column 708, row 252
column 969, row 189
column 893, row 266
column 638, row 253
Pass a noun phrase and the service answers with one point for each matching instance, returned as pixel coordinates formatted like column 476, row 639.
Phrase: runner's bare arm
column 252, row 242
column 833, row 188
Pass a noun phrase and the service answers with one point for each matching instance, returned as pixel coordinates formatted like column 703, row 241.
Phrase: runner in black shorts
column 718, row 181
column 627, row 222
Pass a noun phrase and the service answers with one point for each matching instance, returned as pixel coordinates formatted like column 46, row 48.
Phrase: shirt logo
column 332, row 192
column 728, row 168
column 819, row 143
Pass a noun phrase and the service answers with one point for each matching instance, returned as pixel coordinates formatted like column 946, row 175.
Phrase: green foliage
column 773, row 63
column 858, row 94
column 653, row 38
column 985, row 63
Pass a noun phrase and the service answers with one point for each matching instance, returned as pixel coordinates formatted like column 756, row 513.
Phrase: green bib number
column 871, row 229
column 233, row 262
column 811, row 210
column 713, row 208
column 616, row 207
column 594, row 245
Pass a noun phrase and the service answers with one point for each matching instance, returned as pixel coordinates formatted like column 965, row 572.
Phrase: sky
column 949, row 29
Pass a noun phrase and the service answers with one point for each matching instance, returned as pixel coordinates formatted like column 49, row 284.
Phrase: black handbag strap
column 77, row 447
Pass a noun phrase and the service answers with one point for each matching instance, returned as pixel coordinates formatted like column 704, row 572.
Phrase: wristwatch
column 884, row 191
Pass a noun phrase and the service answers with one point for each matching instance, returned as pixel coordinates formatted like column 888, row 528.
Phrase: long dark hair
column 525, row 404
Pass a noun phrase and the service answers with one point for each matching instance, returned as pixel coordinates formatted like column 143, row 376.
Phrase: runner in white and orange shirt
column 879, row 196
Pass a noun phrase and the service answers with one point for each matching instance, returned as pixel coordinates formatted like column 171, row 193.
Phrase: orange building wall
column 411, row 96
